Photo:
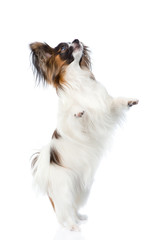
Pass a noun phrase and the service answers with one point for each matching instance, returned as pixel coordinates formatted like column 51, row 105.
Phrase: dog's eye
column 63, row 48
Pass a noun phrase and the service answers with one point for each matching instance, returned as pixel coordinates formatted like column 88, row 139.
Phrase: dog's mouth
column 77, row 46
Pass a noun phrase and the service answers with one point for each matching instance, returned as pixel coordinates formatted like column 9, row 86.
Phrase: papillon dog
column 64, row 169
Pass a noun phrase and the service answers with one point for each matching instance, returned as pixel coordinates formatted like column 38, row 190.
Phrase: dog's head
column 50, row 64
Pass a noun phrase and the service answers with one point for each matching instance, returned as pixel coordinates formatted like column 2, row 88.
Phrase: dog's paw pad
column 132, row 102
column 79, row 115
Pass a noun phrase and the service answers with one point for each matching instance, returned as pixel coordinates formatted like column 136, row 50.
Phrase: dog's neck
column 76, row 79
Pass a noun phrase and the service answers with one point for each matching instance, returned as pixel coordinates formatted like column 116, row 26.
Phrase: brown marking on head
column 58, row 77
column 56, row 135
column 50, row 63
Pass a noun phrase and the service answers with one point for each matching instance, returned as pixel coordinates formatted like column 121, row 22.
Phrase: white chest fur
column 83, row 94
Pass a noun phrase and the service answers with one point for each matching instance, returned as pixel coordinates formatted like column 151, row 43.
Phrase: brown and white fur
column 64, row 169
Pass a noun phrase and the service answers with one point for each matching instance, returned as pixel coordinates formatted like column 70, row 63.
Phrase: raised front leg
column 120, row 103
column 132, row 102
column 79, row 115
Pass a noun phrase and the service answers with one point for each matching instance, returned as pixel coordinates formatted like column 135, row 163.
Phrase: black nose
column 76, row 41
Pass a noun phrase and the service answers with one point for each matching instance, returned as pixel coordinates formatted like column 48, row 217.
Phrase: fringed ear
column 41, row 53
column 85, row 60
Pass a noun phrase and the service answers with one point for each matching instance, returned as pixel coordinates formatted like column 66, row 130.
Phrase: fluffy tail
column 41, row 164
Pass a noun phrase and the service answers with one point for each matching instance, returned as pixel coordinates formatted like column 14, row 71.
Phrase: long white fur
column 82, row 142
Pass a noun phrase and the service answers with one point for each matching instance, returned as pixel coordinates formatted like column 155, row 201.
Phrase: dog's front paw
column 132, row 102
column 79, row 115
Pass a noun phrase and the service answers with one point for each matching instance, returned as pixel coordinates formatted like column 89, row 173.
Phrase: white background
column 124, row 37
